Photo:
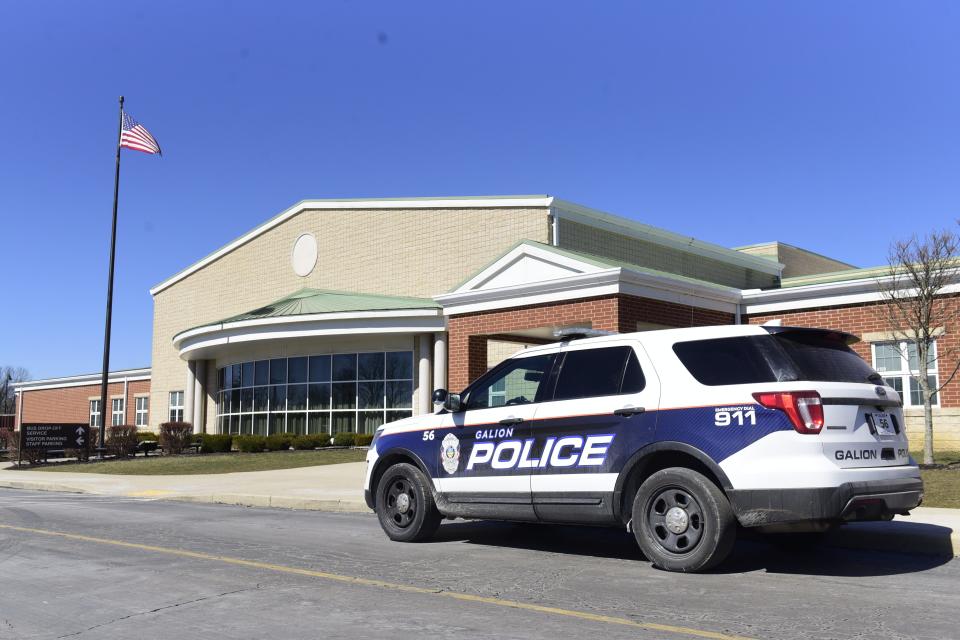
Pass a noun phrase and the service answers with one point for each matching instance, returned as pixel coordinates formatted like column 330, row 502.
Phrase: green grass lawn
column 941, row 488
column 211, row 463
column 939, row 457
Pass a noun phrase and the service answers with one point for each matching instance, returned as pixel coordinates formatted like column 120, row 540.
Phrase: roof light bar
column 579, row 333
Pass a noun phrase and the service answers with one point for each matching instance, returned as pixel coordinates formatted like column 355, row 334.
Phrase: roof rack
column 579, row 333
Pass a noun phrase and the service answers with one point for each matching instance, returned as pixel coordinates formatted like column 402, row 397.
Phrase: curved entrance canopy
column 311, row 313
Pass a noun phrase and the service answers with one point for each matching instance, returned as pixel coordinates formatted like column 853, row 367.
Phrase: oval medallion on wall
column 304, row 254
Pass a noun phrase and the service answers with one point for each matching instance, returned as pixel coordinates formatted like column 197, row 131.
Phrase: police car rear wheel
column 682, row 521
column 405, row 505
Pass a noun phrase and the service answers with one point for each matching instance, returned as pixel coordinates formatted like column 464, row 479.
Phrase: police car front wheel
column 682, row 521
column 405, row 505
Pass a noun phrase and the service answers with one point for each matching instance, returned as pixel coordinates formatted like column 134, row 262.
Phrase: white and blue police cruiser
column 678, row 434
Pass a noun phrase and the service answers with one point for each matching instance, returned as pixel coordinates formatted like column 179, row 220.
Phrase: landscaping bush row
column 215, row 443
column 174, row 437
column 284, row 441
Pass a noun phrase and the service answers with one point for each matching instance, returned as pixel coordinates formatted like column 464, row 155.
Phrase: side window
column 590, row 373
column 517, row 381
column 722, row 361
column 633, row 379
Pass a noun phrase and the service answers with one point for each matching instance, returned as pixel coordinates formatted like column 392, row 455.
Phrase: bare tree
column 9, row 376
column 920, row 307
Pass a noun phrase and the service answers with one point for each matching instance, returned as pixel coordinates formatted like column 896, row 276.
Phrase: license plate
column 882, row 423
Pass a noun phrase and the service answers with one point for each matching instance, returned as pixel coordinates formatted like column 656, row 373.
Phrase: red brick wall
column 72, row 404
column 468, row 333
column 871, row 317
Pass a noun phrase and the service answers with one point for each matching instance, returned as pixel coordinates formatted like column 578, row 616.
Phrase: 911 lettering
column 725, row 416
column 568, row 451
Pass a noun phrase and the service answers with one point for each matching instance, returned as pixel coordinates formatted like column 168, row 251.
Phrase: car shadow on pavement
column 753, row 552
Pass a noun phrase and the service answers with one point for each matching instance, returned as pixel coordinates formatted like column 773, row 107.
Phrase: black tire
column 702, row 527
column 412, row 518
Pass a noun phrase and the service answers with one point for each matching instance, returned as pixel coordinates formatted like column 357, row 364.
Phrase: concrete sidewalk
column 339, row 487
column 335, row 487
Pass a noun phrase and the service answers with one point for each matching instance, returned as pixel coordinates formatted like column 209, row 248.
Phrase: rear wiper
column 875, row 377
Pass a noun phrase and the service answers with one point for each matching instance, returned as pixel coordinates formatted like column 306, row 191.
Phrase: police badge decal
column 450, row 453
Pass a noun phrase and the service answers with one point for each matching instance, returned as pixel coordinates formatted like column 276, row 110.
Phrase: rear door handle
column 626, row 412
column 508, row 421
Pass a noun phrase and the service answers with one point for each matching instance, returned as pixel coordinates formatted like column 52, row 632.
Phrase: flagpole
column 106, row 330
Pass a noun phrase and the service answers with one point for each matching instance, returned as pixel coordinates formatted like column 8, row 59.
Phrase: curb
column 41, row 486
column 241, row 500
column 276, row 502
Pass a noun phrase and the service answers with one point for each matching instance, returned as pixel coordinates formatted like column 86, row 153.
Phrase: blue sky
column 832, row 126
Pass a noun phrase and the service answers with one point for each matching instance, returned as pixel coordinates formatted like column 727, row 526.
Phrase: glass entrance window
column 316, row 394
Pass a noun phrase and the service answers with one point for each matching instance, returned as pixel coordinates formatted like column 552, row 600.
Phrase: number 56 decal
column 428, row 435
column 740, row 417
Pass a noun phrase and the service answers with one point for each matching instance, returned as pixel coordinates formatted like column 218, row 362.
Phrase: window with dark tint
column 741, row 360
column 589, row 373
column 246, row 374
column 782, row 357
column 262, row 372
column 633, row 380
column 822, row 355
column 278, row 371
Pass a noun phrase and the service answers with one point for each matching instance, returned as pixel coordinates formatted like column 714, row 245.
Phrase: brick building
column 340, row 314
column 77, row 399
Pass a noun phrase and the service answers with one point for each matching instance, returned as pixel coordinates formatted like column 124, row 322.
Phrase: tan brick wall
column 621, row 313
column 871, row 318
column 500, row 350
column 946, row 428
column 581, row 237
column 420, row 252
column 796, row 261
column 72, row 404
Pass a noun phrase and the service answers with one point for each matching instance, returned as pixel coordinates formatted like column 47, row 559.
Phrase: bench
column 145, row 447
column 193, row 447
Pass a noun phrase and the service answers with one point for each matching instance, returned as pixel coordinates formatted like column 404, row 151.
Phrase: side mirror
column 450, row 401
column 453, row 403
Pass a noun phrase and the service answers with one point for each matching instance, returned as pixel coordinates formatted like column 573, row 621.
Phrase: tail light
column 804, row 408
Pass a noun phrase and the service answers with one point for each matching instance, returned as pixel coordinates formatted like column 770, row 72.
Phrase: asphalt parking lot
column 106, row 567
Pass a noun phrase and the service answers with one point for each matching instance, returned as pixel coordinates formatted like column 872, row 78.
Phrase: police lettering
column 489, row 434
column 861, row 454
column 568, row 451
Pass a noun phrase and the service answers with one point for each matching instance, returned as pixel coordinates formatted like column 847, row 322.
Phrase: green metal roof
column 313, row 301
column 597, row 261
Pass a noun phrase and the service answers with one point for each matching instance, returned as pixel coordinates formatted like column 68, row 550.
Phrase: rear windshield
column 782, row 357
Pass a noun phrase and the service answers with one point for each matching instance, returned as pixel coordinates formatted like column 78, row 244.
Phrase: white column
column 439, row 360
column 199, row 397
column 424, row 392
column 188, row 391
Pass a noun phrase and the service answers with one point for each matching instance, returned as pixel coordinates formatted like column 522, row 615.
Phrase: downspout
column 554, row 227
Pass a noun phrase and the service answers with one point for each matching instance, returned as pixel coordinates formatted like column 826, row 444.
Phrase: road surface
column 81, row 566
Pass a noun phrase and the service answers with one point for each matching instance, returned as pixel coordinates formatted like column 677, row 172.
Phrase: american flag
column 134, row 136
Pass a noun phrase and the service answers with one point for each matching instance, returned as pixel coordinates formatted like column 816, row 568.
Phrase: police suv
column 679, row 435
